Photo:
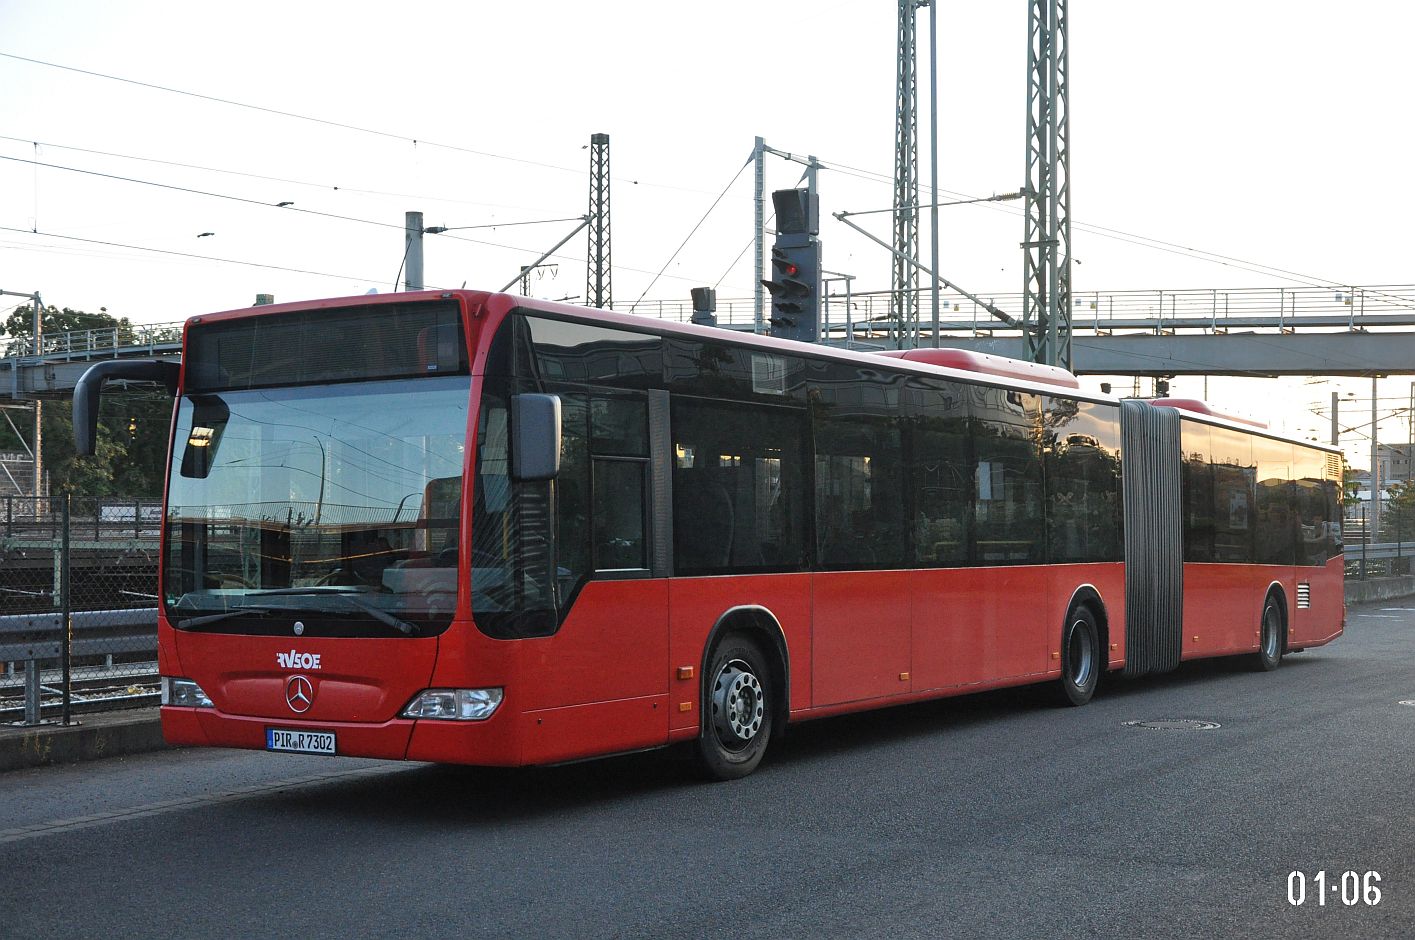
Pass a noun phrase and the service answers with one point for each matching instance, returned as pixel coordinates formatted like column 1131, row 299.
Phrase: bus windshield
column 335, row 505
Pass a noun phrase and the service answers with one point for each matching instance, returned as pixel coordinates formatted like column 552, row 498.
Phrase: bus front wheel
column 737, row 709
column 1081, row 660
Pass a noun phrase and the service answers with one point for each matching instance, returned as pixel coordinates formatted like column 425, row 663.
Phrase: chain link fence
column 78, row 606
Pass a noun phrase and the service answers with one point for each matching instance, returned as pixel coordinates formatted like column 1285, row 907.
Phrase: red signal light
column 790, row 269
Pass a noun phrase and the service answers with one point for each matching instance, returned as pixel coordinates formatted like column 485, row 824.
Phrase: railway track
column 92, row 689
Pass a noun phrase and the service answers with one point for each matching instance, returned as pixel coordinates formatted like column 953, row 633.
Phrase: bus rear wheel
column 737, row 709
column 1081, row 661
column 1269, row 654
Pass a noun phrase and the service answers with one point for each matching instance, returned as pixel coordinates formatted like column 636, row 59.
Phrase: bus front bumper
column 487, row 743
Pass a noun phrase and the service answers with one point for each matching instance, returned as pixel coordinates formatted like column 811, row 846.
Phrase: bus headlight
column 454, row 704
column 184, row 692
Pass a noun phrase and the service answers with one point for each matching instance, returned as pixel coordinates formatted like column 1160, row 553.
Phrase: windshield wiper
column 381, row 615
column 189, row 622
column 377, row 613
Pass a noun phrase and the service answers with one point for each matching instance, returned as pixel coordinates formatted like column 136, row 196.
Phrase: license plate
column 302, row 742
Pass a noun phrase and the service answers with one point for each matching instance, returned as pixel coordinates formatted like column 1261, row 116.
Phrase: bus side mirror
column 209, row 417
column 535, row 424
column 90, row 384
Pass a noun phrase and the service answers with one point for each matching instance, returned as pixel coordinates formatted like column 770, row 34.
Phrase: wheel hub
column 738, row 706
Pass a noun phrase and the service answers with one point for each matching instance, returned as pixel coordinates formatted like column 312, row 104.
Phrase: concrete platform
column 107, row 734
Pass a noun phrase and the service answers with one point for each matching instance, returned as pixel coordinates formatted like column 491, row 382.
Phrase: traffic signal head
column 704, row 306
column 797, row 212
column 795, row 288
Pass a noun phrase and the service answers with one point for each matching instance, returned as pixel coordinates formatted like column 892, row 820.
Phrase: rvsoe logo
column 297, row 660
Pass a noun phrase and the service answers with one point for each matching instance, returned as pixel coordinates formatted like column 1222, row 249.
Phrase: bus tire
column 1081, row 660
column 736, row 709
column 1270, row 637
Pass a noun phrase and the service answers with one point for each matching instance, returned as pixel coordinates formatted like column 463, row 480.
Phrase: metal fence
column 1366, row 560
column 78, row 606
column 868, row 312
column 1102, row 311
column 99, row 343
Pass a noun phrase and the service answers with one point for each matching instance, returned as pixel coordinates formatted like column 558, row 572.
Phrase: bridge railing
column 872, row 311
column 107, row 341
column 1101, row 310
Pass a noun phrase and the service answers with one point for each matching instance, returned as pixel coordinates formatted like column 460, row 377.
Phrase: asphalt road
column 993, row 815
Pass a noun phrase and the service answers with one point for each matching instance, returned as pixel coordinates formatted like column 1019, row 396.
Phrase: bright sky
column 1271, row 133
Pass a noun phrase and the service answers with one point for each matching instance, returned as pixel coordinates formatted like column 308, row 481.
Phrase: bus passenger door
column 861, row 590
column 600, row 683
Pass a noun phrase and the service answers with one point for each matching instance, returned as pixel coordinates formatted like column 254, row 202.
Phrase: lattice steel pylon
column 597, row 271
column 1046, row 245
column 905, row 284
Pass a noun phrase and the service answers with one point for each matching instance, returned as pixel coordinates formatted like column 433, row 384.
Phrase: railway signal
column 796, row 267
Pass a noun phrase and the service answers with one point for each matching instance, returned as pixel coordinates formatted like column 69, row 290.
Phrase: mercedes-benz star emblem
column 299, row 694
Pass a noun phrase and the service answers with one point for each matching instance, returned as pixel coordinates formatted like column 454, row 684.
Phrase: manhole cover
column 1175, row 724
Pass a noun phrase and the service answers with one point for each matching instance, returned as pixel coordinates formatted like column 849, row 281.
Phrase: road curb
column 99, row 736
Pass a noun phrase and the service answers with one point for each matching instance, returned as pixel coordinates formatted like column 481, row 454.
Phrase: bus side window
column 1310, row 503
column 858, row 432
column 1197, row 491
column 1235, row 491
column 941, row 471
column 1277, row 524
column 738, row 487
column 1008, row 479
column 619, row 462
column 1082, row 449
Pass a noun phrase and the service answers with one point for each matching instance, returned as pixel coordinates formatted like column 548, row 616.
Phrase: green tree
column 20, row 323
column 1398, row 512
column 133, row 423
column 131, row 447
column 1350, row 486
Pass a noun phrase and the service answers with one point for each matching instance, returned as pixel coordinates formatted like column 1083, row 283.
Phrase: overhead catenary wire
column 690, row 235
column 868, row 175
column 388, row 135
column 191, row 255
column 1143, row 241
column 1103, row 231
column 288, row 114
column 1257, row 267
column 307, row 183
column 745, row 249
column 259, row 202
column 331, row 187
column 312, row 212
column 388, row 225
column 370, row 279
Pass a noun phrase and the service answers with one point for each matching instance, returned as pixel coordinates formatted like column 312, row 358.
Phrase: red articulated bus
column 478, row 528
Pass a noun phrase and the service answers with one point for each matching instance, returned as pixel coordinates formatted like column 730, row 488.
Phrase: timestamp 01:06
column 1349, row 888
